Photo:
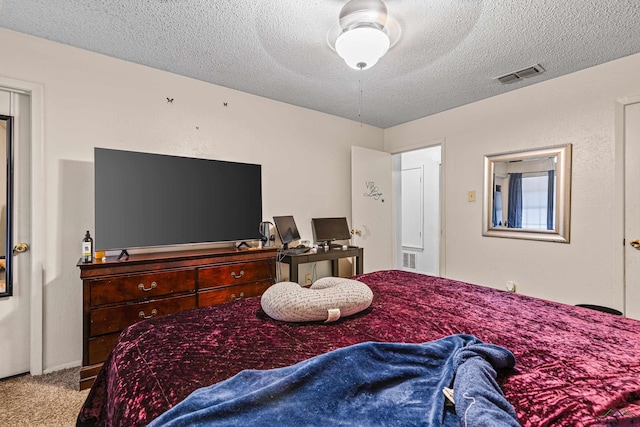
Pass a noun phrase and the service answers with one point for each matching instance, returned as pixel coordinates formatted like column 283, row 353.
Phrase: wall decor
column 527, row 194
column 373, row 191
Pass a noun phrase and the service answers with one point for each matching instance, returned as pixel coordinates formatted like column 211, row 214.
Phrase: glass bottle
column 87, row 248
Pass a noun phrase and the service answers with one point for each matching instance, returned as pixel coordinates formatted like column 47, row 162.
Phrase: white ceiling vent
column 520, row 74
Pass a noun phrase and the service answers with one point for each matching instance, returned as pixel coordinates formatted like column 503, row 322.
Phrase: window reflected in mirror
column 527, row 194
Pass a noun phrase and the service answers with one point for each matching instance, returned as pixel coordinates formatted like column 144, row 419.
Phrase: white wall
column 92, row 100
column 578, row 109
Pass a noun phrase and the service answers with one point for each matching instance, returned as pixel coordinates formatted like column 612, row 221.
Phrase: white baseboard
column 61, row 367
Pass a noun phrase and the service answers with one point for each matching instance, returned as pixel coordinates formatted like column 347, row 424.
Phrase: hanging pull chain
column 360, row 65
column 360, row 102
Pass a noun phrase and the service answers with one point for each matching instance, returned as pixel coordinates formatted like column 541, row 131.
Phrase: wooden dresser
column 117, row 294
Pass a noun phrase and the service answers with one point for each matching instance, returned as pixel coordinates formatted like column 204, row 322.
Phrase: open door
column 15, row 226
column 372, row 207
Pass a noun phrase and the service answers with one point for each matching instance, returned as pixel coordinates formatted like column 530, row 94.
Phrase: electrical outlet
column 471, row 196
column 307, row 279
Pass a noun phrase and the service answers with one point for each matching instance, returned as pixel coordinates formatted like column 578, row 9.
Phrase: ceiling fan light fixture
column 362, row 47
column 364, row 33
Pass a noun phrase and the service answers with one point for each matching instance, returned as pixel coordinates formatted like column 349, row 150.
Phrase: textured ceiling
column 448, row 55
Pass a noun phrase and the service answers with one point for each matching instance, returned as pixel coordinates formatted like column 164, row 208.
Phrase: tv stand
column 323, row 255
column 124, row 254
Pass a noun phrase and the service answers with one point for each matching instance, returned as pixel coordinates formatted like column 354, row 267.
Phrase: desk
column 332, row 255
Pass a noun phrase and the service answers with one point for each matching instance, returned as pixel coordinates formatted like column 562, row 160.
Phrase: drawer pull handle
column 237, row 276
column 142, row 315
column 235, row 298
column 142, row 288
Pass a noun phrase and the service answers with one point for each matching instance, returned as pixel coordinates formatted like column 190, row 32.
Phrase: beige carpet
column 49, row 400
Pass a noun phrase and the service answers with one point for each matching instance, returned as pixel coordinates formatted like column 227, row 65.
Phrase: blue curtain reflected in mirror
column 514, row 215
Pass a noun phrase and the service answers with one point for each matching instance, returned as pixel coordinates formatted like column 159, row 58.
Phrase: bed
column 574, row 366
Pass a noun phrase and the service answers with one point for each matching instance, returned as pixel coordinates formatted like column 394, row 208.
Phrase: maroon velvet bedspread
column 574, row 366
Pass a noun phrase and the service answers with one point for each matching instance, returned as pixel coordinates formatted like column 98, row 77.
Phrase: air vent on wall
column 409, row 260
column 520, row 74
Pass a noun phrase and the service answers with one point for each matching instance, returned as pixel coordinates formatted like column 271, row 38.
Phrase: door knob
column 20, row 248
column 635, row 244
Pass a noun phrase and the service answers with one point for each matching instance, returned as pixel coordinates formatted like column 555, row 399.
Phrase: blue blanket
column 368, row 384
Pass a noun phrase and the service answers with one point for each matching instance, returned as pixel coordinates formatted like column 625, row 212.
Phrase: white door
column 632, row 210
column 15, row 310
column 372, row 206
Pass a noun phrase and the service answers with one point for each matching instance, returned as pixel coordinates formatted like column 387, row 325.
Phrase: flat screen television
column 326, row 230
column 287, row 229
column 145, row 200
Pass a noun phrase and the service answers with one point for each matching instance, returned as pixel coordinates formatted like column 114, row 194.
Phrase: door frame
column 443, row 225
column 619, row 244
column 35, row 92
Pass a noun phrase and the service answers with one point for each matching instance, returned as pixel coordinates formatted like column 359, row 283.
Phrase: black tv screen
column 144, row 199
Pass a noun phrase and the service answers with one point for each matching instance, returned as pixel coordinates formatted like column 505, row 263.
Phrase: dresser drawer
column 235, row 274
column 141, row 286
column 100, row 347
column 231, row 293
column 115, row 319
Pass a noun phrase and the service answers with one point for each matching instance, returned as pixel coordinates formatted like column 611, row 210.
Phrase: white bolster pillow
column 327, row 299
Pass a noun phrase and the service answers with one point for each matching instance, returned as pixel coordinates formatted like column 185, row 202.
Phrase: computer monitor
column 326, row 230
column 287, row 229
